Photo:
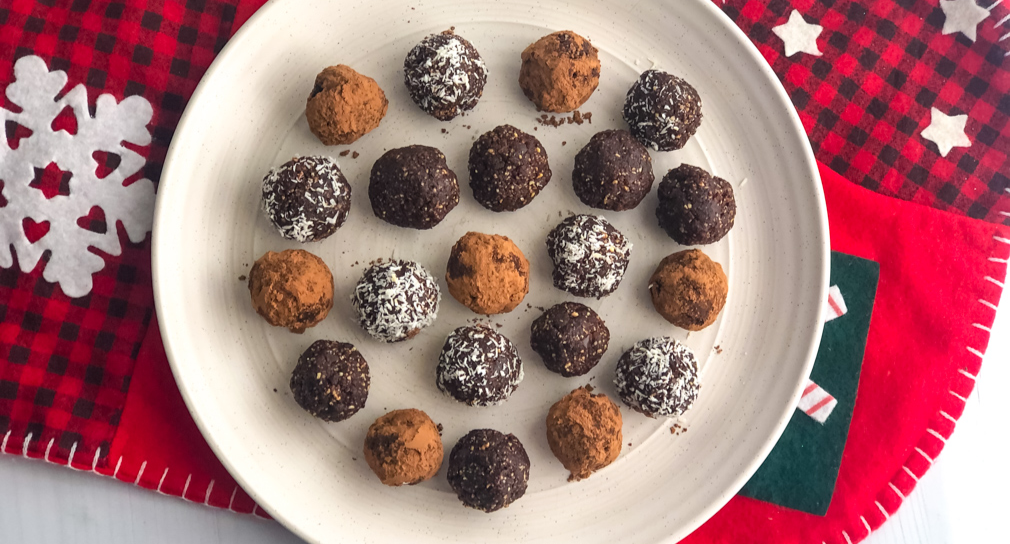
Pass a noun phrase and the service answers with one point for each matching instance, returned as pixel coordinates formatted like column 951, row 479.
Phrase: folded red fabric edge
column 940, row 282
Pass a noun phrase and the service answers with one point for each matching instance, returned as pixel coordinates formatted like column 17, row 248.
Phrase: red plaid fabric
column 866, row 100
column 67, row 363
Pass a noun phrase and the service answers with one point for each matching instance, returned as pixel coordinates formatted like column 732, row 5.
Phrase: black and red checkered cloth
column 66, row 365
column 866, row 100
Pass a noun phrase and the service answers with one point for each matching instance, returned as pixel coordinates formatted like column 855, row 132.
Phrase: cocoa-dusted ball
column 613, row 171
column 508, row 169
column 331, row 380
column 488, row 470
column 445, row 75
column 487, row 273
column 403, row 447
column 412, row 187
column 658, row 377
column 662, row 110
column 291, row 289
column 584, row 432
column 344, row 105
column 560, row 71
column 688, row 289
column 306, row 198
column 695, row 207
column 571, row 338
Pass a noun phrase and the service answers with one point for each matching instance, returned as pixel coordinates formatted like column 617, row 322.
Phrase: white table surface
column 964, row 498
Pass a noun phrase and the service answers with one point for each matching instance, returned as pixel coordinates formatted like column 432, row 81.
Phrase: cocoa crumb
column 345, row 152
column 564, row 143
column 275, row 389
column 717, row 349
column 444, row 131
column 242, row 278
column 355, row 155
column 439, row 427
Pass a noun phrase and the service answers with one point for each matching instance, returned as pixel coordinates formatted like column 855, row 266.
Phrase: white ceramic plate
column 233, row 368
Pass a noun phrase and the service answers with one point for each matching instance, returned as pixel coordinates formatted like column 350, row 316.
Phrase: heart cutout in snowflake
column 34, row 231
column 36, row 91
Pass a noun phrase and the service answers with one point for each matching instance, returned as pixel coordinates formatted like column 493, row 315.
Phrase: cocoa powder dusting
column 404, row 447
column 292, row 289
column 584, row 432
column 344, row 105
column 560, row 71
column 487, row 273
column 688, row 289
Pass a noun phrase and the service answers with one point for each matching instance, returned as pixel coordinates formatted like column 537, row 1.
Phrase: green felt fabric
column 801, row 469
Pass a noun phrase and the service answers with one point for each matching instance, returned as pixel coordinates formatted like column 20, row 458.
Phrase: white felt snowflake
column 71, row 264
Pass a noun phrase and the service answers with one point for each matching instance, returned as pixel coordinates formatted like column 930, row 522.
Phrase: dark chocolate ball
column 590, row 256
column 508, row 169
column 662, row 110
column 444, row 75
column 395, row 300
column 658, row 377
column 570, row 337
column 331, row 380
column 488, row 470
column 478, row 366
column 613, row 171
column 306, row 198
column 695, row 207
column 412, row 187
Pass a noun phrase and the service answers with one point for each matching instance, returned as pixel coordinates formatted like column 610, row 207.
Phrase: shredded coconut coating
column 658, row 377
column 445, row 75
column 478, row 366
column 395, row 300
column 662, row 110
column 590, row 255
column 307, row 198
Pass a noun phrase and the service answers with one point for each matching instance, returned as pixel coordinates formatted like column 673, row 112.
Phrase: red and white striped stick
column 816, row 402
column 836, row 304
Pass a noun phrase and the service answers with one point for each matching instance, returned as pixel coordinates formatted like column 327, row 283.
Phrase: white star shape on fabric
column 962, row 16
column 946, row 131
column 798, row 35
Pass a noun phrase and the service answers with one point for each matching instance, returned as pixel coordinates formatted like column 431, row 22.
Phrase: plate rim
column 806, row 156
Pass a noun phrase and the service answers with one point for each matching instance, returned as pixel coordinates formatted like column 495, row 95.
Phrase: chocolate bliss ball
column 508, row 169
column 331, row 380
column 412, row 187
column 488, row 470
column 570, row 337
column 662, row 110
column 613, row 171
column 306, row 198
column 445, row 75
column 478, row 366
column 695, row 207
